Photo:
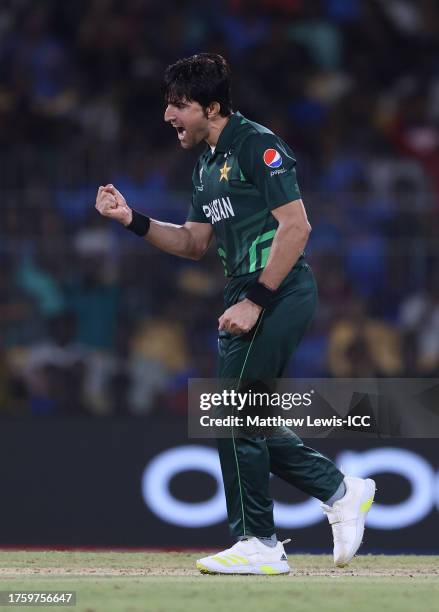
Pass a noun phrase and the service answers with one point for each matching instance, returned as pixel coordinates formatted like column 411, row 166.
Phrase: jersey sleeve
column 269, row 164
column 195, row 212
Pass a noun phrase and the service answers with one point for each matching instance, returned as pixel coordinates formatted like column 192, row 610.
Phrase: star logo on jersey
column 272, row 158
column 225, row 172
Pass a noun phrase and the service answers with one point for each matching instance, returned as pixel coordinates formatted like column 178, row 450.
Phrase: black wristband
column 139, row 224
column 260, row 294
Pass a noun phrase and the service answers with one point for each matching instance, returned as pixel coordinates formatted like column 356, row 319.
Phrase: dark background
column 79, row 484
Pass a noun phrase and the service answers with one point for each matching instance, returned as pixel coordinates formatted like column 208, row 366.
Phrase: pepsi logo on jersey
column 272, row 158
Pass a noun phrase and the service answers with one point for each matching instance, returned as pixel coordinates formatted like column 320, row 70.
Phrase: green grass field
column 169, row 582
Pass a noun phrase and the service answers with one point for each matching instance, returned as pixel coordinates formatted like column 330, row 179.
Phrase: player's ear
column 213, row 110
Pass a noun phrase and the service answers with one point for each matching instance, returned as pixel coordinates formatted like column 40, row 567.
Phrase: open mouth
column 181, row 132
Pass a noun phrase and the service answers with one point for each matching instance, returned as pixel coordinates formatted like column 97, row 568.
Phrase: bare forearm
column 174, row 239
column 190, row 240
column 286, row 248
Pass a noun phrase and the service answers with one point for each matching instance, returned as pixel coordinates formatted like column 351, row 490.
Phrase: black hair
column 202, row 78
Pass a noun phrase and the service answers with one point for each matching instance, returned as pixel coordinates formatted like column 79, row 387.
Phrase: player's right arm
column 190, row 240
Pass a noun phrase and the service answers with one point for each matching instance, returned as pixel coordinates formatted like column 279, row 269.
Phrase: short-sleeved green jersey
column 251, row 172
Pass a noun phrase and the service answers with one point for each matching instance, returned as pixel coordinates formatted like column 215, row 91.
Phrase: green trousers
column 263, row 353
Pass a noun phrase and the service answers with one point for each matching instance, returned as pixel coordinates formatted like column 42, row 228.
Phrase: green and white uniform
column 235, row 190
column 250, row 173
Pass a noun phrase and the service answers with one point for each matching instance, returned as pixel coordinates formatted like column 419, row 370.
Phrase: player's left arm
column 269, row 164
column 289, row 242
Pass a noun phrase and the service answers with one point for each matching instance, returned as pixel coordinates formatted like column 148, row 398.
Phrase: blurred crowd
column 94, row 321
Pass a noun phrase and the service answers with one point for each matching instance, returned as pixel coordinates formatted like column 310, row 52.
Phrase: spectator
column 419, row 320
column 363, row 347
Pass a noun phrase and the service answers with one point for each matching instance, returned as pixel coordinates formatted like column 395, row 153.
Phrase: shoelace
column 230, row 550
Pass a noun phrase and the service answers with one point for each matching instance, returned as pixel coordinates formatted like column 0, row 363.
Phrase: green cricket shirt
column 251, row 172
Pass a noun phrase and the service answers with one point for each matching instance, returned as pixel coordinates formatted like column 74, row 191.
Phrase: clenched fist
column 111, row 203
column 240, row 318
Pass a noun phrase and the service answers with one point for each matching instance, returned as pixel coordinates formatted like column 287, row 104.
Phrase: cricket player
column 245, row 193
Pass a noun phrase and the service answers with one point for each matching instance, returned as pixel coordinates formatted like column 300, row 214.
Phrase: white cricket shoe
column 347, row 516
column 249, row 556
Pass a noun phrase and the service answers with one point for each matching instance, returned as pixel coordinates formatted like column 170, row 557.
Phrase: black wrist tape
column 260, row 294
column 139, row 224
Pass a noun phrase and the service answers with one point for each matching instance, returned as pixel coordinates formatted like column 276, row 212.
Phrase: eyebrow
column 177, row 103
